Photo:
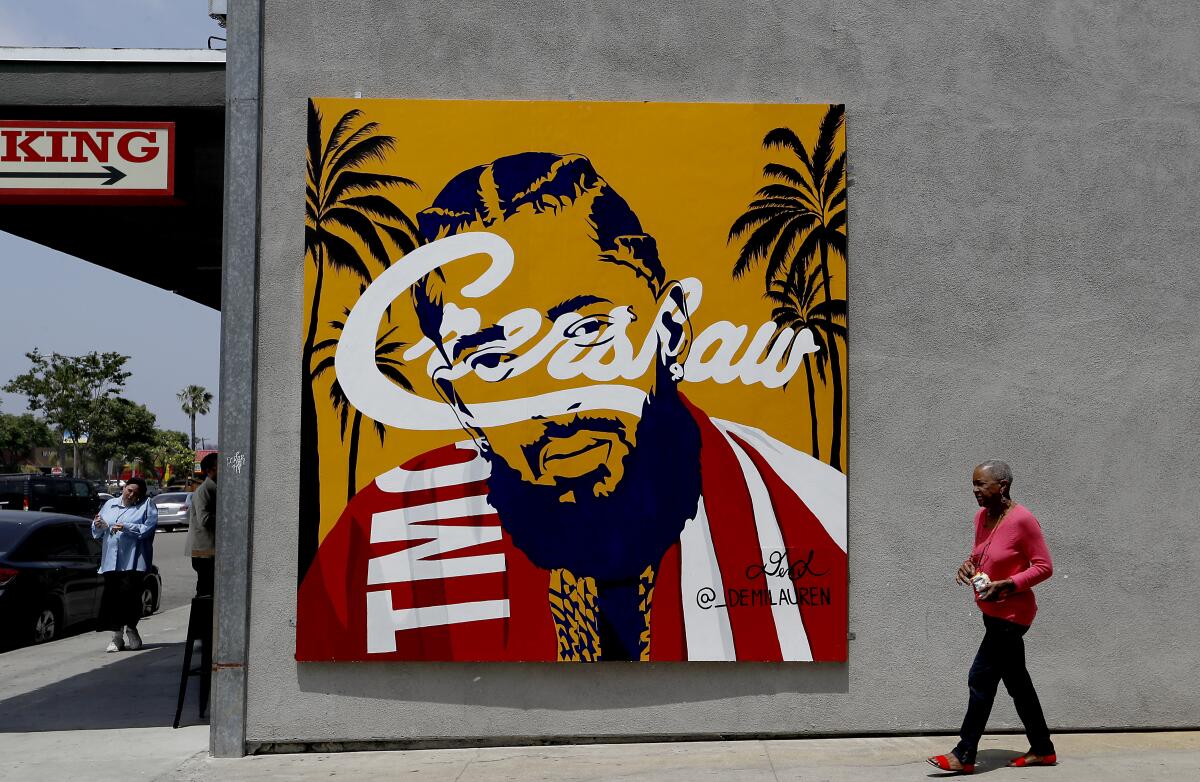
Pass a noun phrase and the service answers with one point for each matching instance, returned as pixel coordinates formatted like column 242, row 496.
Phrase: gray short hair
column 1000, row 471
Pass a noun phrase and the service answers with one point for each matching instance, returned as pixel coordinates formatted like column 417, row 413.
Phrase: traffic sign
column 56, row 471
column 68, row 161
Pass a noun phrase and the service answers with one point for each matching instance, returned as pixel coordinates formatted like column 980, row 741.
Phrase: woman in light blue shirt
column 125, row 526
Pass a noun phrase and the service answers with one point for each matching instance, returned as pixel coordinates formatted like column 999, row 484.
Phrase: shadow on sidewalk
column 135, row 690
column 986, row 760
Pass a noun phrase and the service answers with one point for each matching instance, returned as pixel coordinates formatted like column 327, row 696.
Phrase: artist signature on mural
column 777, row 564
column 707, row 597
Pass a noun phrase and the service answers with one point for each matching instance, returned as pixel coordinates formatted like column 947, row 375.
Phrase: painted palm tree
column 806, row 307
column 797, row 221
column 195, row 400
column 386, row 350
column 343, row 202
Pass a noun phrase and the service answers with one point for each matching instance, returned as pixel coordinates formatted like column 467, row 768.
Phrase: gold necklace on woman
column 987, row 544
column 1003, row 513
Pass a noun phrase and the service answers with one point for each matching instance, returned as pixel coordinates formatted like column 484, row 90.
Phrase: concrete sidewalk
column 72, row 684
column 158, row 754
column 69, row 711
column 1086, row 758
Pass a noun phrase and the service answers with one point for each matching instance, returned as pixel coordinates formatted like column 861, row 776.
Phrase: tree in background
column 19, row 436
column 195, row 400
column 70, row 391
column 125, row 431
column 170, row 454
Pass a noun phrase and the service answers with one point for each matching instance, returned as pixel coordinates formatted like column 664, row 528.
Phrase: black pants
column 1001, row 657
column 121, row 601
column 204, row 567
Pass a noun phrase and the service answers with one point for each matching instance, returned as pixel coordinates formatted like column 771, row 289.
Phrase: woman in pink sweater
column 1009, row 558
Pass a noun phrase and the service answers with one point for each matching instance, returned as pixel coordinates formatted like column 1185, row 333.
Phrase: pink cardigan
column 1014, row 549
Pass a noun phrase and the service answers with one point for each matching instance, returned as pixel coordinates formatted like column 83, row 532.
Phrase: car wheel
column 46, row 625
column 148, row 598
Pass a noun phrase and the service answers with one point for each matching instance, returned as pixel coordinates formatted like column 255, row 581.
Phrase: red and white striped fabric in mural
column 418, row 566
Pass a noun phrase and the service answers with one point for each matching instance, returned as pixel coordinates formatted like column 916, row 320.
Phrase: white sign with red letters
column 53, row 160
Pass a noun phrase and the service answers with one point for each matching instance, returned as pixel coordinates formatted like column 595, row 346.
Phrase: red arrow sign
column 58, row 161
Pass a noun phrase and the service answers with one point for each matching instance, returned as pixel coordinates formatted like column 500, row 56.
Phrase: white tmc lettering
column 383, row 621
column 417, row 563
column 426, row 561
column 719, row 353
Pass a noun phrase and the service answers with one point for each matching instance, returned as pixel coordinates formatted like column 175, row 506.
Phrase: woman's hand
column 965, row 571
column 997, row 590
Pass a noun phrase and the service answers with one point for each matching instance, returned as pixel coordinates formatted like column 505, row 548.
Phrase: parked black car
column 48, row 578
column 48, row 493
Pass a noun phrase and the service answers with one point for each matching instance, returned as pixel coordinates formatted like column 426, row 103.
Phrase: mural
column 574, row 382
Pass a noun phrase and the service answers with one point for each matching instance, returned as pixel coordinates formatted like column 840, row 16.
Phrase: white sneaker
column 117, row 643
column 135, row 640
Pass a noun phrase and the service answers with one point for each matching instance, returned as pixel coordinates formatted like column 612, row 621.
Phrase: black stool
column 200, row 628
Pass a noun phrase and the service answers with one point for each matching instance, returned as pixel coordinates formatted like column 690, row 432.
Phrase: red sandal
column 1026, row 761
column 943, row 762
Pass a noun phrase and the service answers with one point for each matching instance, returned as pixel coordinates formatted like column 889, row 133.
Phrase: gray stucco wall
column 1023, row 255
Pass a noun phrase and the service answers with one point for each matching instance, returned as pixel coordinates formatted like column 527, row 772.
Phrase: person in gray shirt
column 202, row 526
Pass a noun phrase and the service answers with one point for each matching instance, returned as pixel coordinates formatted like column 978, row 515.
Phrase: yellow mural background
column 687, row 170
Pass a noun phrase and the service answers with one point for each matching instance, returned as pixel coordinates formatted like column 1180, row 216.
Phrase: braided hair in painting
column 613, row 538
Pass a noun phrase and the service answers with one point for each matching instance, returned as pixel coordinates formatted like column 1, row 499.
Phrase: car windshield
column 177, row 497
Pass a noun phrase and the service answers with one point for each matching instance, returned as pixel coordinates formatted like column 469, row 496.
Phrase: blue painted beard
column 615, row 537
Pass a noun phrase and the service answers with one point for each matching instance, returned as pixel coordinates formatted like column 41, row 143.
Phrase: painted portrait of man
column 590, row 511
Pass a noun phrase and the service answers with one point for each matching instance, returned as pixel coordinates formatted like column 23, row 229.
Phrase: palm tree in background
column 195, row 400
column 805, row 307
column 342, row 202
column 389, row 365
column 798, row 219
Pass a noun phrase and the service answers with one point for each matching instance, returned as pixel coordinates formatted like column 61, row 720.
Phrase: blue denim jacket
column 132, row 548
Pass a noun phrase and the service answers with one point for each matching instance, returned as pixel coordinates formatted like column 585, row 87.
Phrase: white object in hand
column 980, row 581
